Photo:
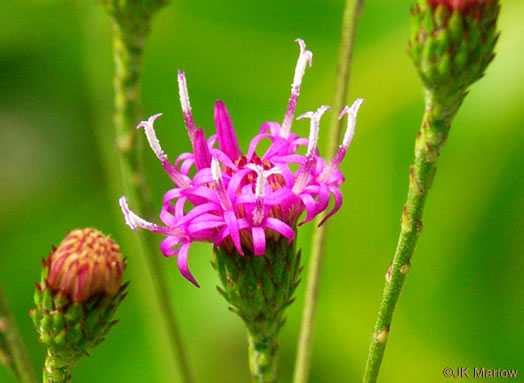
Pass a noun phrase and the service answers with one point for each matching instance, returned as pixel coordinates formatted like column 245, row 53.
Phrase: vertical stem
column 128, row 52
column 15, row 355
column 429, row 142
column 352, row 13
column 55, row 370
column 262, row 357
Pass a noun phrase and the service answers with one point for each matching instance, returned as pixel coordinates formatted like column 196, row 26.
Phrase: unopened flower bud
column 85, row 264
column 452, row 41
column 79, row 292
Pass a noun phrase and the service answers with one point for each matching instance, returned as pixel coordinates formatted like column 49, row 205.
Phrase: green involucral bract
column 259, row 288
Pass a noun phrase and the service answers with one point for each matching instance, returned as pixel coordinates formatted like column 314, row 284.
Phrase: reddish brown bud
column 86, row 263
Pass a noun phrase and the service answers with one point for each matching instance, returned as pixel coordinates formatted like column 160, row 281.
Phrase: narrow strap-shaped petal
column 309, row 204
column 211, row 140
column 196, row 211
column 187, row 165
column 280, row 227
column 235, row 182
column 203, row 192
column 167, row 217
column 272, row 127
column 201, row 150
column 223, row 159
column 172, row 194
column 227, row 139
column 323, row 199
column 168, row 245
column 234, row 231
column 254, row 143
column 203, row 177
column 179, row 207
column 338, row 203
column 290, row 159
column 184, row 157
column 245, row 198
column 278, row 197
column 279, row 146
column 259, row 240
column 286, row 173
column 299, row 142
column 204, row 224
column 182, row 263
column 224, row 232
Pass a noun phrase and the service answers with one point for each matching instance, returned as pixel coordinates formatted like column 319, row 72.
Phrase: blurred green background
column 463, row 302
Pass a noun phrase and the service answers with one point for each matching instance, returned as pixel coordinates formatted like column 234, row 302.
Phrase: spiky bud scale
column 259, row 288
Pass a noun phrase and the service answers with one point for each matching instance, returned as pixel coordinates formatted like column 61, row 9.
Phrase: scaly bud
column 80, row 289
column 452, row 42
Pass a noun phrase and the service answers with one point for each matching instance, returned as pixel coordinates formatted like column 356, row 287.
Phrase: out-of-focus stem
column 128, row 45
column 14, row 356
column 55, row 370
column 263, row 357
column 351, row 16
column 430, row 140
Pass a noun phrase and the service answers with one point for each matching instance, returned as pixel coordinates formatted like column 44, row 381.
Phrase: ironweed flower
column 240, row 202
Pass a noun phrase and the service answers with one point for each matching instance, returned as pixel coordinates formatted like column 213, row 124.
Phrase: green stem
column 12, row 349
column 128, row 45
column 352, row 13
column 263, row 357
column 56, row 370
column 430, row 140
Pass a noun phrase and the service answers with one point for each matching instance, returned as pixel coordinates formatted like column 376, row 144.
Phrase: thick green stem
column 263, row 357
column 259, row 288
column 56, row 370
column 128, row 45
column 429, row 142
column 351, row 16
column 13, row 353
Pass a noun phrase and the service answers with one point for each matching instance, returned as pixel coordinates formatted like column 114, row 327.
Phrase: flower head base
column 240, row 202
column 86, row 263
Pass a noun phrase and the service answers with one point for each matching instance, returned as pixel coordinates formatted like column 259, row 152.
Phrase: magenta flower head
column 240, row 201
column 249, row 204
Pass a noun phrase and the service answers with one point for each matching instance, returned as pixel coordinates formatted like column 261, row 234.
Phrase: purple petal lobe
column 259, row 240
column 227, row 139
column 182, row 263
column 201, row 150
